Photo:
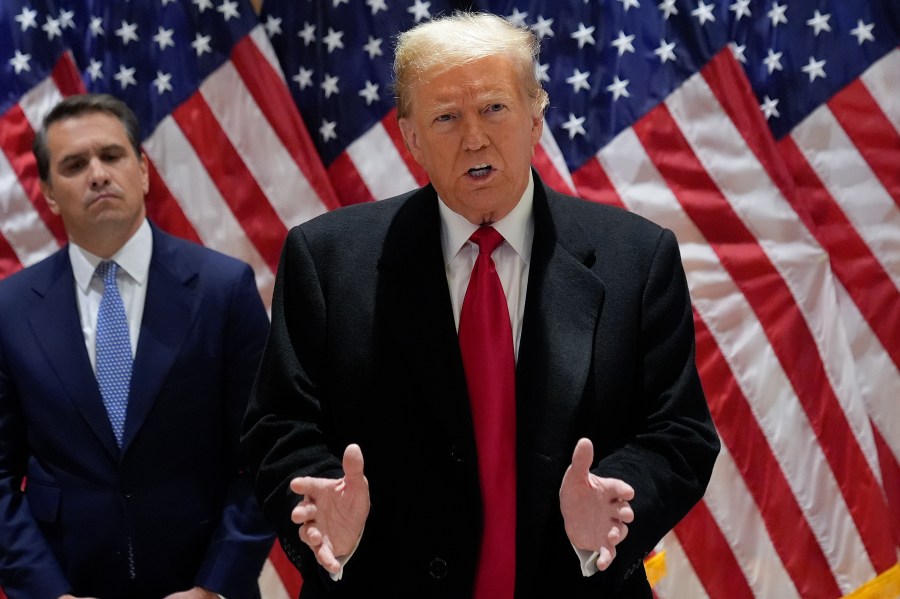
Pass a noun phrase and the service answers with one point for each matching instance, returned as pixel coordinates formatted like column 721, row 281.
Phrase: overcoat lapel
column 414, row 312
column 562, row 308
column 55, row 317
column 169, row 311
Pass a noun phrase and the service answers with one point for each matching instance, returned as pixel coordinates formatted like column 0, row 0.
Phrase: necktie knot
column 107, row 270
column 487, row 239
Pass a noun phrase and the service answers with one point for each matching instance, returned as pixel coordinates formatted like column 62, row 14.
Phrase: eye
column 495, row 107
column 70, row 167
column 443, row 118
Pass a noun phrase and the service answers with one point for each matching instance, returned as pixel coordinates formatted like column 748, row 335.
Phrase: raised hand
column 595, row 510
column 333, row 512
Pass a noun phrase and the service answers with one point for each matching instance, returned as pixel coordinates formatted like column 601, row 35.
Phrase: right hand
column 333, row 512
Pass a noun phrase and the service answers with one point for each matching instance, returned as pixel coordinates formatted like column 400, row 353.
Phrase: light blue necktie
column 114, row 359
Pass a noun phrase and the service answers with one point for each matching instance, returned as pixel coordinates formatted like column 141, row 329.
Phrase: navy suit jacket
column 169, row 510
column 363, row 348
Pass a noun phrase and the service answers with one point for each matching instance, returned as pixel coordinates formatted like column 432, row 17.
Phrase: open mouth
column 482, row 170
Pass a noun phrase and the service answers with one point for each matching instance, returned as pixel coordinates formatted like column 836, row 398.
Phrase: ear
column 47, row 190
column 537, row 129
column 411, row 138
column 145, row 173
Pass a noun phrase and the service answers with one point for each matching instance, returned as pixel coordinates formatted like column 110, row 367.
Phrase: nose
column 474, row 136
column 98, row 173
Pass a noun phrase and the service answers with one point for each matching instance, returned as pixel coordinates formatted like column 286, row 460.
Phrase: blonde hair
column 459, row 39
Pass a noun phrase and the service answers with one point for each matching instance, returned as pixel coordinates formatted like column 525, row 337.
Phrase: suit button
column 456, row 455
column 437, row 568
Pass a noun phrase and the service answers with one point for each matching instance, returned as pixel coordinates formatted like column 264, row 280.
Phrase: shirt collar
column 133, row 258
column 517, row 227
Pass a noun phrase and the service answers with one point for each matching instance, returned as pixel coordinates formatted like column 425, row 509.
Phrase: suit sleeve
column 243, row 540
column 671, row 442
column 283, row 432
column 28, row 567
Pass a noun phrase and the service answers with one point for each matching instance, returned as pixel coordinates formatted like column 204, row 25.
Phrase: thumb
column 353, row 461
column 582, row 457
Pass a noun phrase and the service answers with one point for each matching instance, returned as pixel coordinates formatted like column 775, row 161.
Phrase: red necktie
column 485, row 340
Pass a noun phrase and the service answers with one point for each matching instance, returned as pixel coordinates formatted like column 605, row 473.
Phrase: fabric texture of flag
column 765, row 133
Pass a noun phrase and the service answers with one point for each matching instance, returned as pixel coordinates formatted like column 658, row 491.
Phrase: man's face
column 473, row 129
column 96, row 183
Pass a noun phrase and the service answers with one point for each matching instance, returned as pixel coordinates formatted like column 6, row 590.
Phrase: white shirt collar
column 516, row 227
column 133, row 258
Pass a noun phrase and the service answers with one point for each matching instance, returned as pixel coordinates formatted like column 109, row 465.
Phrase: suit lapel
column 55, row 318
column 416, row 316
column 169, row 310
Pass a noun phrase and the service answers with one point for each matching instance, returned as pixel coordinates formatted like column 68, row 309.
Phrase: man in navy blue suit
column 158, row 506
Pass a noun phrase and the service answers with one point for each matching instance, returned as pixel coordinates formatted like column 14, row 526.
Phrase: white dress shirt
column 511, row 258
column 133, row 259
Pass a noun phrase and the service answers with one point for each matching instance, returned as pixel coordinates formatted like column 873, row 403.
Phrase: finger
column 625, row 513
column 311, row 535
column 303, row 512
column 605, row 559
column 326, row 559
column 582, row 457
column 617, row 533
column 300, row 485
column 623, row 490
column 353, row 461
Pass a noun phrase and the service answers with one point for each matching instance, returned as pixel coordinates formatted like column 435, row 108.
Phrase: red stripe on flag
column 852, row 261
column 871, row 132
column 164, row 210
column 232, row 178
column 16, row 138
column 785, row 326
column 549, row 173
column 593, row 184
column 740, row 432
column 288, row 574
column 390, row 124
column 709, row 553
column 275, row 101
column 66, row 76
column 348, row 184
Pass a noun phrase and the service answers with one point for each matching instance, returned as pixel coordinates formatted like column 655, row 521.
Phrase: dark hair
column 74, row 106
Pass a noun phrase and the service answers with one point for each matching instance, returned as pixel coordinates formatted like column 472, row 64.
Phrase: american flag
column 765, row 133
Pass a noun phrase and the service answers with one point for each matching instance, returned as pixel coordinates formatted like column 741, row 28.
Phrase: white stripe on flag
column 379, row 164
column 735, row 511
column 680, row 581
column 753, row 362
column 878, row 376
column 881, row 81
column 790, row 247
column 39, row 100
column 21, row 225
column 851, row 182
column 258, row 144
column 200, row 200
column 270, row 585
column 548, row 142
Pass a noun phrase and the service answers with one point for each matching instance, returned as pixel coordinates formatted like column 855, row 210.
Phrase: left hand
column 595, row 510
column 194, row 593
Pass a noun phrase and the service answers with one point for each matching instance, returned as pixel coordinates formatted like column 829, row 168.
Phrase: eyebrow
column 103, row 149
